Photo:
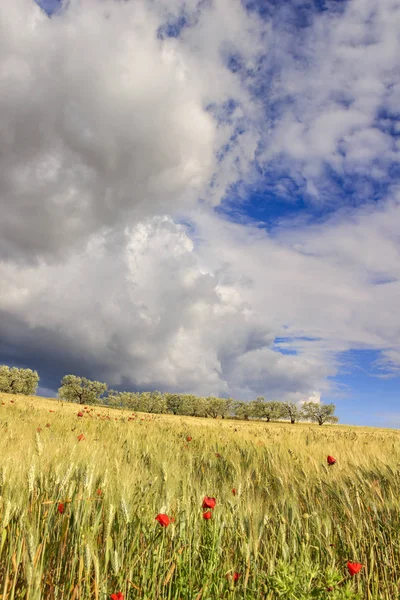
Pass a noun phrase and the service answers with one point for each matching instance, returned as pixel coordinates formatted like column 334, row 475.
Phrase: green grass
column 289, row 531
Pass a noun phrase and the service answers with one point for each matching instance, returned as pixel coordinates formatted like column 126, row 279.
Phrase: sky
column 203, row 196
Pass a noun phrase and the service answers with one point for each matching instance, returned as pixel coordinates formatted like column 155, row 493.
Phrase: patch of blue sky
column 360, row 390
column 177, row 23
column 174, row 27
column 269, row 202
column 280, row 194
column 302, row 10
column 286, row 345
column 389, row 121
column 50, row 6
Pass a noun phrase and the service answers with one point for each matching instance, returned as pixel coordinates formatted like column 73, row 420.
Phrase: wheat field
column 79, row 497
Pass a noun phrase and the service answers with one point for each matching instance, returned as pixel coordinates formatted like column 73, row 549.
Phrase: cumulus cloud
column 148, row 315
column 103, row 121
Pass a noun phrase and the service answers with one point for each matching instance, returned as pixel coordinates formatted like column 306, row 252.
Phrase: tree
column 157, row 403
column 290, row 410
column 81, row 390
column 193, row 406
column 265, row 410
column 226, row 406
column 4, row 378
column 31, row 381
column 319, row 413
column 119, row 399
column 243, row 410
column 217, row 407
column 174, row 403
column 18, row 381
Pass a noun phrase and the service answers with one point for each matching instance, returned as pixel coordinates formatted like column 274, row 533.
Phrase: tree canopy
column 18, row 381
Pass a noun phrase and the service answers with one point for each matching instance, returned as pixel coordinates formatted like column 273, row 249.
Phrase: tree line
column 86, row 392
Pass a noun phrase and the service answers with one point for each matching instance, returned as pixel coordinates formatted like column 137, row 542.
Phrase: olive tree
column 217, row 406
column 265, row 410
column 18, row 381
column 319, row 413
column 290, row 410
column 243, row 410
column 194, row 406
column 81, row 390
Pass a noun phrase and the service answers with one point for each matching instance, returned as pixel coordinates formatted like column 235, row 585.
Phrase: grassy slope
column 289, row 530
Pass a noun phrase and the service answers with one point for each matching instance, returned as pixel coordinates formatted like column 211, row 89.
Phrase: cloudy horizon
column 204, row 197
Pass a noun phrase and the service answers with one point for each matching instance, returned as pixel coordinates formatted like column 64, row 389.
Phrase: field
column 287, row 530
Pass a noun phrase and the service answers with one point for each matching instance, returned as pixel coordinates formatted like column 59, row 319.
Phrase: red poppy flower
column 51, row 410
column 217, row 454
column 39, row 429
column 80, row 414
column 354, row 568
column 234, row 491
column 329, row 589
column 207, row 515
column 117, row 596
column 163, row 520
column 209, row 502
column 81, row 437
column 236, row 576
column 60, row 508
column 331, row 461
column 99, row 492
column 189, row 439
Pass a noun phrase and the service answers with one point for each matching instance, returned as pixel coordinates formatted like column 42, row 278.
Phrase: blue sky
column 49, row 6
column 235, row 187
column 365, row 399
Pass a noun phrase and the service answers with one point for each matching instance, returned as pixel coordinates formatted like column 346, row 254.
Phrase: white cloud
column 146, row 315
column 102, row 122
